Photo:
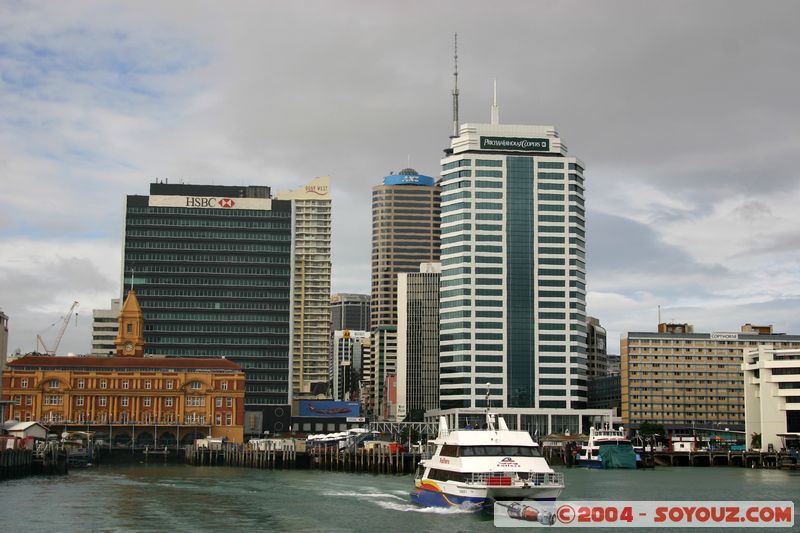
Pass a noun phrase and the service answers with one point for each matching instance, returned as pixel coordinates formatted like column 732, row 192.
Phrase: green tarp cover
column 618, row 456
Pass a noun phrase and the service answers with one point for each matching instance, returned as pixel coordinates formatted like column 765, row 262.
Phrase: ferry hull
column 427, row 497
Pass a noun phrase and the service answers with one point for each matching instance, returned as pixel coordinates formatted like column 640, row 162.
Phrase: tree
column 649, row 428
column 755, row 441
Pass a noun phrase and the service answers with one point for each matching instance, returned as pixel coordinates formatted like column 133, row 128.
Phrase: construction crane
column 64, row 324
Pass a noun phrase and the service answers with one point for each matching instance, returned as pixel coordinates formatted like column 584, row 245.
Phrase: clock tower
column 130, row 337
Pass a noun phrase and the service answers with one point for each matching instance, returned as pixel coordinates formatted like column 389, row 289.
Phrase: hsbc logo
column 205, row 201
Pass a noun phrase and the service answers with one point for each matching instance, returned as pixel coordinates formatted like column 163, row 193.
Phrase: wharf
column 376, row 461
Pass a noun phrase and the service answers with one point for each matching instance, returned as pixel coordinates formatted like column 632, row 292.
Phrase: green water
column 185, row 498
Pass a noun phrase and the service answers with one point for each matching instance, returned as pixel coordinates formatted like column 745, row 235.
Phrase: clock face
column 129, row 347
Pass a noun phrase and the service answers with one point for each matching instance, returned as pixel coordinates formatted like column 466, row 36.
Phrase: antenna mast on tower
column 455, row 89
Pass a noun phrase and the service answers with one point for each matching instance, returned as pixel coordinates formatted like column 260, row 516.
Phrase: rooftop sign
column 720, row 336
column 210, row 202
column 317, row 189
column 517, row 144
column 408, row 179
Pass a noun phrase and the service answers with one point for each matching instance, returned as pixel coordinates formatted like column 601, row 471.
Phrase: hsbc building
column 212, row 266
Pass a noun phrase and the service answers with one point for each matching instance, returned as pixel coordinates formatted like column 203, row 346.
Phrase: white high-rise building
column 513, row 289
column 105, row 323
column 311, row 285
column 418, row 342
column 348, row 363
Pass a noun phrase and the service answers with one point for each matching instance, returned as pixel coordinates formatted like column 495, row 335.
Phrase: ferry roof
column 466, row 437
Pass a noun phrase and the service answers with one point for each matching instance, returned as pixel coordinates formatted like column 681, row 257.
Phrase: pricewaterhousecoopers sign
column 515, row 143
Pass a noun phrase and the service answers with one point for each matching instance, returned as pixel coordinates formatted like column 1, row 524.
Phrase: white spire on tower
column 495, row 108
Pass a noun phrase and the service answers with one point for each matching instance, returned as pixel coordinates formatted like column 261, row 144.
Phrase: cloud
column 691, row 157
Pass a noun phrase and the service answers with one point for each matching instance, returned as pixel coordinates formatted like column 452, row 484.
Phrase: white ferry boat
column 608, row 448
column 475, row 468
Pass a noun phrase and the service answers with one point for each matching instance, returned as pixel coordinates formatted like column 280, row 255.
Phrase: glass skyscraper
column 211, row 266
column 513, row 289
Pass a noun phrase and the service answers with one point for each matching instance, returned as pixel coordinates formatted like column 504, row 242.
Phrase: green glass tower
column 211, row 266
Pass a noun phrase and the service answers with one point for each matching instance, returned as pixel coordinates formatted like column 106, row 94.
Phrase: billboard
column 408, row 179
column 328, row 408
column 210, row 202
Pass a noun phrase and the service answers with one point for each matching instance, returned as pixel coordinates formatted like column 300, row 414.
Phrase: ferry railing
column 507, row 478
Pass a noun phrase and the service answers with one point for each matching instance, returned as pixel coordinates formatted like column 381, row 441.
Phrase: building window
column 103, row 384
column 125, row 383
column 81, row 383
column 224, row 385
column 124, row 401
column 24, row 383
column 148, row 384
column 219, row 402
column 147, row 402
column 103, row 401
column 18, row 399
column 53, row 384
column 169, row 384
column 130, row 328
column 196, row 385
column 168, row 401
column 79, row 401
column 229, row 402
column 229, row 419
column 195, row 401
column 218, row 420
column 28, row 400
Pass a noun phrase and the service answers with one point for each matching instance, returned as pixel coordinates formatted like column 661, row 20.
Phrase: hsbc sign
column 211, row 202
column 205, row 201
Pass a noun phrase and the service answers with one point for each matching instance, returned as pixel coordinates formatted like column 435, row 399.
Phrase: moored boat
column 476, row 468
column 608, row 448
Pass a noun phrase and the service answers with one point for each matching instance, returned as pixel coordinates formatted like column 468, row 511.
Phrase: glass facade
column 218, row 286
column 493, row 271
column 520, row 279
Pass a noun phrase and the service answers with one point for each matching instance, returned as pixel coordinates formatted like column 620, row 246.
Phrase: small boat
column 473, row 469
column 608, row 448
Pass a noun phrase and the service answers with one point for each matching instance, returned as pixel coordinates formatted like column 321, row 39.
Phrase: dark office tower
column 405, row 233
column 211, row 266
column 350, row 311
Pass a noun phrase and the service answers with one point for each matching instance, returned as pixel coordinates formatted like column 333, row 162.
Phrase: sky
column 686, row 115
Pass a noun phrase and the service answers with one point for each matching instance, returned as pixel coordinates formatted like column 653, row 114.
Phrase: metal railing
column 544, row 479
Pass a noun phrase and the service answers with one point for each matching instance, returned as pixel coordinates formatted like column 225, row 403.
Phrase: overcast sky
column 686, row 114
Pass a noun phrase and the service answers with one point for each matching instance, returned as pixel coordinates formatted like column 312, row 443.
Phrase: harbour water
column 185, row 498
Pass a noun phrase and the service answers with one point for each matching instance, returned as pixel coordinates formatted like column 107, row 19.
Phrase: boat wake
column 364, row 495
column 394, row 501
column 410, row 507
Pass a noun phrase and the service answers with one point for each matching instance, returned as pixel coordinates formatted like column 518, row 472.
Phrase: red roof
column 177, row 363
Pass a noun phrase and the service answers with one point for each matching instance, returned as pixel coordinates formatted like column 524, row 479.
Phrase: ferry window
column 448, row 450
column 483, row 451
column 446, row 475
